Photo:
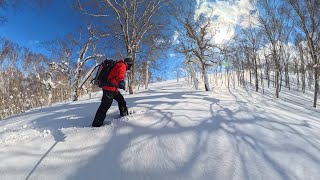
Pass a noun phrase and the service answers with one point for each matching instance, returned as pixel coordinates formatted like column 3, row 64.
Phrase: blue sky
column 28, row 26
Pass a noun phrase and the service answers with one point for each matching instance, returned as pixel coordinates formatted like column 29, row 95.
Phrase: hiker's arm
column 121, row 73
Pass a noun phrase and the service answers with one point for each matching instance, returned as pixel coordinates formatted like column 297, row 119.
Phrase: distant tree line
column 281, row 38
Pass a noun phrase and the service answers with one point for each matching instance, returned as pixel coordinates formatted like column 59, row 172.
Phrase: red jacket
column 116, row 75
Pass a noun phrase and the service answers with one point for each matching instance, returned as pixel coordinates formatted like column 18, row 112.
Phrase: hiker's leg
column 121, row 104
column 106, row 102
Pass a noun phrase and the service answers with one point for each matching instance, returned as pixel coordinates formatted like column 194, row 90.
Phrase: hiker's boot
column 124, row 111
column 97, row 123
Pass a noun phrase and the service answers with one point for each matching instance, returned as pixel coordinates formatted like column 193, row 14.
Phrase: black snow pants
column 106, row 103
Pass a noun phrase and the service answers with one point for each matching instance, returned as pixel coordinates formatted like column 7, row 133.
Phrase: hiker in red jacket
column 116, row 77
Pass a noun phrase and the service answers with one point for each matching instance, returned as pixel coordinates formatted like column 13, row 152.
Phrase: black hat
column 129, row 61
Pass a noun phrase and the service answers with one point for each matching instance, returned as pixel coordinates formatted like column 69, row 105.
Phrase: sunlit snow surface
column 174, row 132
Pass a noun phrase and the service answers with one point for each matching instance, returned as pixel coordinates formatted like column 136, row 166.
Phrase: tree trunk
column 131, row 79
column 228, row 77
column 242, row 74
column 316, row 88
column 316, row 77
column 277, row 83
column 280, row 83
column 267, row 71
column 205, row 78
column 287, row 78
column 303, row 79
column 277, row 75
column 296, row 67
column 147, row 75
column 310, row 79
column 250, row 76
column 256, row 74
column 193, row 76
column 77, row 82
column 234, row 79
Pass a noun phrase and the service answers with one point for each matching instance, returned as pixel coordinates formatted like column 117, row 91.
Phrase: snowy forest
column 276, row 44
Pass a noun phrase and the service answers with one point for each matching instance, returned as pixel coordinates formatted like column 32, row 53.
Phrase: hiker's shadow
column 70, row 115
column 54, row 120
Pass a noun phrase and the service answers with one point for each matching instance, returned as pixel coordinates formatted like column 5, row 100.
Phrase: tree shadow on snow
column 243, row 141
column 256, row 142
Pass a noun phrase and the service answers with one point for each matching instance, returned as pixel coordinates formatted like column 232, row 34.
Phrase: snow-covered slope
column 174, row 133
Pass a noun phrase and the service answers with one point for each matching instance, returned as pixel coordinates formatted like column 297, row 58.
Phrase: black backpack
column 103, row 72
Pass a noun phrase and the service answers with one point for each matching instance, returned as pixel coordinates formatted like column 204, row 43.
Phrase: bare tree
column 252, row 41
column 60, row 68
column 29, row 79
column 196, row 40
column 272, row 23
column 152, row 48
column 90, row 42
column 147, row 75
column 306, row 16
column 10, row 85
column 133, row 21
column 192, row 71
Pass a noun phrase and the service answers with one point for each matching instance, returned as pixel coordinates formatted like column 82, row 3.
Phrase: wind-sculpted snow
column 173, row 133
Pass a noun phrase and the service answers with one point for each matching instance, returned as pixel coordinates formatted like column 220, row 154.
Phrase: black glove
column 122, row 85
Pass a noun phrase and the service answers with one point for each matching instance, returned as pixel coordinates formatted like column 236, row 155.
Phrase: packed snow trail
column 174, row 133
